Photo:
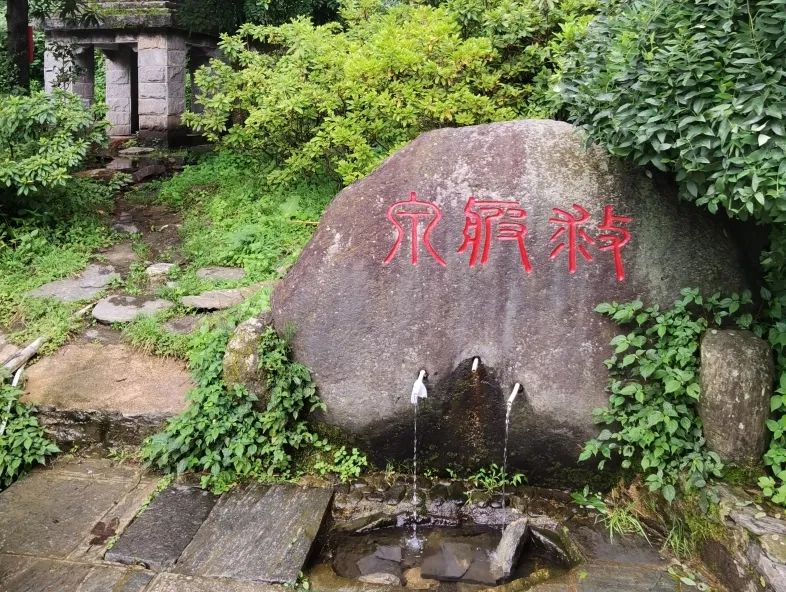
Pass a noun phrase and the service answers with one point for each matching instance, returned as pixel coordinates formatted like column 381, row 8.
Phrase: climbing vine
column 224, row 434
column 651, row 417
column 22, row 441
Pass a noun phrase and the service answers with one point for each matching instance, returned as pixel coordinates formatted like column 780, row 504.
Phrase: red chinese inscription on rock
column 482, row 217
column 415, row 211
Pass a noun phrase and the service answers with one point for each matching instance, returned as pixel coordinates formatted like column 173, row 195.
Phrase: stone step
column 91, row 393
column 158, row 536
column 258, row 534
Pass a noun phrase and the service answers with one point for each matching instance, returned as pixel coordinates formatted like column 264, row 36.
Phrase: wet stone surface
column 284, row 520
column 157, row 537
column 216, row 299
column 221, row 273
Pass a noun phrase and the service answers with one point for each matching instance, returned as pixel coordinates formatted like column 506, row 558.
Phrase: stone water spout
column 475, row 364
column 509, row 407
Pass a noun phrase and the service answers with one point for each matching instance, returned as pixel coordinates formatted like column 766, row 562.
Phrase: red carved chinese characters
column 481, row 217
column 614, row 238
column 415, row 211
column 505, row 220
column 573, row 235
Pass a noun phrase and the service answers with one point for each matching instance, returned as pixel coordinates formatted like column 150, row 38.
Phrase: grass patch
column 47, row 242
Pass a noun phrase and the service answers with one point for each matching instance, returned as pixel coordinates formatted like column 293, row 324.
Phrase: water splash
column 509, row 406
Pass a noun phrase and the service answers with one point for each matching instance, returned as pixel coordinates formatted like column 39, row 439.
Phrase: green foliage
column 227, row 15
column 223, row 434
column 235, row 217
column 346, row 465
column 618, row 519
column 493, row 478
column 327, row 99
column 532, row 38
column 42, row 138
column 696, row 88
column 654, row 387
column 55, row 239
column 22, row 440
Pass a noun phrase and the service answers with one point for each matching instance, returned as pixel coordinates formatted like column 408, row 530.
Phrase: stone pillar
column 737, row 373
column 118, row 91
column 52, row 67
column 84, row 74
column 162, row 65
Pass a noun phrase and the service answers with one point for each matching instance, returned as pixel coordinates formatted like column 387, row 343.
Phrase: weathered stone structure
column 149, row 57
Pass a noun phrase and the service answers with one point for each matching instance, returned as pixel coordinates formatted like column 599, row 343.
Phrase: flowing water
column 509, row 407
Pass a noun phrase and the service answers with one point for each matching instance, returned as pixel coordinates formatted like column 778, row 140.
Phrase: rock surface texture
column 736, row 384
column 485, row 284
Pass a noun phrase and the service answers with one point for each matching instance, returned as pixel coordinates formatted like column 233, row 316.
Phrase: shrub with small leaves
column 43, row 137
column 652, row 421
column 22, row 441
column 346, row 465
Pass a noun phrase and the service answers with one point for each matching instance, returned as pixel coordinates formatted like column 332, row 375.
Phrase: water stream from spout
column 509, row 406
column 418, row 392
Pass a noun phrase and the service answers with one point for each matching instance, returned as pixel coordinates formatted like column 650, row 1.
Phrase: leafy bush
column 338, row 100
column 22, row 440
column 222, row 433
column 42, row 138
column 532, row 38
column 696, row 88
column 347, row 465
column 654, row 388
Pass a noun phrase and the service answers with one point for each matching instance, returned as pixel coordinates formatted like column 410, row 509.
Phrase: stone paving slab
column 221, row 273
column 94, row 377
column 258, row 533
column 159, row 535
column 169, row 582
column 27, row 574
column 124, row 309
column 85, row 286
column 62, row 513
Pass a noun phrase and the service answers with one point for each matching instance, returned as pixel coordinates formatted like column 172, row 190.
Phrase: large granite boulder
column 370, row 312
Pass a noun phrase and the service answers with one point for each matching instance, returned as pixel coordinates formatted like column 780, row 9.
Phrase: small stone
column 450, row 563
column 760, row 514
column 216, row 299
column 147, row 172
column 183, row 325
column 373, row 567
column 382, row 578
column 389, row 552
column 221, row 273
column 121, row 164
column 96, row 174
column 395, row 494
column 135, row 151
column 241, row 358
column 416, row 581
column 515, row 535
column 7, row 350
column 159, row 269
column 126, row 227
column 124, row 309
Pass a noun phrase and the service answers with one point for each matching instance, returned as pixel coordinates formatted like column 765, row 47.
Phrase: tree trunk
column 16, row 17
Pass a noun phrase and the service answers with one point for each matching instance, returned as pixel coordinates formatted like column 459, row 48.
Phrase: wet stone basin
column 447, row 556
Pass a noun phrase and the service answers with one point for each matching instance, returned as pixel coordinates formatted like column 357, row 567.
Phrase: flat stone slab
column 124, row 309
column 221, row 273
column 18, row 574
column 217, row 299
column 88, row 377
column 82, row 287
column 169, row 582
column 70, row 512
column 159, row 535
column 258, row 533
column 122, row 164
column 135, row 151
column 120, row 256
column 159, row 269
column 183, row 325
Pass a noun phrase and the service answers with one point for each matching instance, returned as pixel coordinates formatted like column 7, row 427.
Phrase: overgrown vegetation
column 697, row 89
column 22, row 441
column 223, row 433
column 43, row 137
column 336, row 99
column 653, row 425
